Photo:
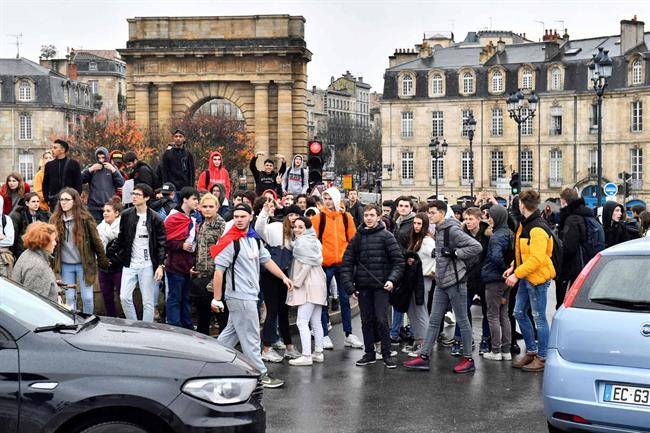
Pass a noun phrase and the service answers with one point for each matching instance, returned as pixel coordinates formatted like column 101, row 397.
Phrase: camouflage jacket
column 209, row 233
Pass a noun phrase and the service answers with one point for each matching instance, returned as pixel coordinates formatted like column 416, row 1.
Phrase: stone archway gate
column 175, row 64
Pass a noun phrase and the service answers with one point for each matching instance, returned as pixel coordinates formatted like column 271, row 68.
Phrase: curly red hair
column 38, row 235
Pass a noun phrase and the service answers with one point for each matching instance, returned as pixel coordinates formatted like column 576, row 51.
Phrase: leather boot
column 524, row 360
column 536, row 366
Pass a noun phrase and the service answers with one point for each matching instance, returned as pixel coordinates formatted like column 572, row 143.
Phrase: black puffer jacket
column 572, row 231
column 403, row 229
column 371, row 258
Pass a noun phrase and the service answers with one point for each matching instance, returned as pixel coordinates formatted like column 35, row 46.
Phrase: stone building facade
column 36, row 105
column 433, row 90
column 259, row 63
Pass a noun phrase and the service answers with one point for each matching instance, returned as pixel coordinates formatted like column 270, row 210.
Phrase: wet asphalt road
column 337, row 396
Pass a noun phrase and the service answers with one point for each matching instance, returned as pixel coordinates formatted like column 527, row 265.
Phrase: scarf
column 307, row 250
column 234, row 234
column 179, row 226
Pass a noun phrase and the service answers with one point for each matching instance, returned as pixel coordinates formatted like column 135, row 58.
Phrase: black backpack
column 594, row 239
column 557, row 256
column 321, row 226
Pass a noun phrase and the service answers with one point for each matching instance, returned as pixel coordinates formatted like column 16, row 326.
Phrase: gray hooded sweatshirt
column 295, row 180
column 103, row 183
column 465, row 247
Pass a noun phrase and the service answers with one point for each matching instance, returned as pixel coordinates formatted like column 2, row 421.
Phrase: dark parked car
column 61, row 372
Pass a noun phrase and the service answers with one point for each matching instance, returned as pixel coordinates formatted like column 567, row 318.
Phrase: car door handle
column 44, row 386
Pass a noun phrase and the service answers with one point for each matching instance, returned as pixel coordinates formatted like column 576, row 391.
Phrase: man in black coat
column 372, row 266
column 404, row 223
column 178, row 163
column 140, row 171
column 61, row 172
column 355, row 208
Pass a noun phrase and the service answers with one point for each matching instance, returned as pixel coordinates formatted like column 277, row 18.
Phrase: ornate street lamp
column 438, row 151
column 601, row 70
column 470, row 126
column 516, row 106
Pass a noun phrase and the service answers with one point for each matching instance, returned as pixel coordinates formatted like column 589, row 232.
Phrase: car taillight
column 577, row 284
column 569, row 417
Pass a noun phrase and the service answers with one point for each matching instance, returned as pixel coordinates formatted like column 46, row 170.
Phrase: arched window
column 407, row 85
column 468, row 83
column 637, row 72
column 497, row 81
column 556, row 79
column 436, row 84
column 24, row 91
column 527, row 79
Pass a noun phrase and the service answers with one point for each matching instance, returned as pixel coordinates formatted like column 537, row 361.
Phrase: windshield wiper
column 623, row 303
column 91, row 319
column 57, row 327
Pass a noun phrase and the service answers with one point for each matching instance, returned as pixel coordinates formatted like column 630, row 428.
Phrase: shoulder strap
column 4, row 222
column 207, row 178
column 236, row 245
column 321, row 226
column 302, row 175
column 445, row 234
column 345, row 226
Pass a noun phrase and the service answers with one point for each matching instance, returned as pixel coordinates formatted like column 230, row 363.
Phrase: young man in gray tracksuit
column 453, row 247
column 243, row 322
column 296, row 179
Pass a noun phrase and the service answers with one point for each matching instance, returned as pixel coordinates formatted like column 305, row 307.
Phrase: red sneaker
column 465, row 365
column 418, row 363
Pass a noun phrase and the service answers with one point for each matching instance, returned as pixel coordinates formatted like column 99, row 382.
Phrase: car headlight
column 221, row 391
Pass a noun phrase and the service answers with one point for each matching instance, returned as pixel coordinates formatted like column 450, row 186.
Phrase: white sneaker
column 272, row 356
column 292, row 354
column 279, row 345
column 506, row 356
column 329, row 326
column 318, row 357
column 493, row 356
column 378, row 354
column 352, row 341
column 415, row 351
column 450, row 319
column 327, row 343
column 407, row 349
column 302, row 360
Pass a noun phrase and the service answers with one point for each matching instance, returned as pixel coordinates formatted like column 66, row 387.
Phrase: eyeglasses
column 63, row 200
column 139, row 194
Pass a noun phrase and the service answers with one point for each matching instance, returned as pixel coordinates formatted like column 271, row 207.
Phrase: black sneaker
column 395, row 340
column 366, row 360
column 390, row 363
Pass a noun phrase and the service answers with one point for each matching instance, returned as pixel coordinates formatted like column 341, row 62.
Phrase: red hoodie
column 216, row 175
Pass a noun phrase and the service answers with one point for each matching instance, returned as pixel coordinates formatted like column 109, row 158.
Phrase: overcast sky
column 343, row 35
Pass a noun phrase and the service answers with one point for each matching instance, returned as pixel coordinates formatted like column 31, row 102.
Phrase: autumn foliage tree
column 205, row 133
column 111, row 133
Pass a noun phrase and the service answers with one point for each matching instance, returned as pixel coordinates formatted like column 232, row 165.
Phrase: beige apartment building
column 430, row 90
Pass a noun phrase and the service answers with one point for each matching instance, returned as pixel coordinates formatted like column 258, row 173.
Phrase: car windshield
column 30, row 309
column 622, row 281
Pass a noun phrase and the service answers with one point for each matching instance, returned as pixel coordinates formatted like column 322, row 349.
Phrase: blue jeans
column 344, row 298
column 533, row 297
column 179, row 306
column 144, row 277
column 397, row 322
column 74, row 274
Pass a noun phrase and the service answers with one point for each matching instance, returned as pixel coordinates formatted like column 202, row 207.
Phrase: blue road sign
column 610, row 189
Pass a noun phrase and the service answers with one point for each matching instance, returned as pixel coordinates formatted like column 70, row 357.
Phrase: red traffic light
column 315, row 147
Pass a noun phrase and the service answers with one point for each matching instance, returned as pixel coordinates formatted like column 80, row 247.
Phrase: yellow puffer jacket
column 533, row 251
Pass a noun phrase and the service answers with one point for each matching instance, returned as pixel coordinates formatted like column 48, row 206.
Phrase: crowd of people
column 234, row 263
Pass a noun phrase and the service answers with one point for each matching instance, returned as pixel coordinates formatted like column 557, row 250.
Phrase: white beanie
column 335, row 194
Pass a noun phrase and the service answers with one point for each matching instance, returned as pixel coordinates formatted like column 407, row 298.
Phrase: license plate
column 627, row 394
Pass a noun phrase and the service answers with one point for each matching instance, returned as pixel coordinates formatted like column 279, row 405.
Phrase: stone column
column 142, row 105
column 285, row 120
column 164, row 105
column 262, row 116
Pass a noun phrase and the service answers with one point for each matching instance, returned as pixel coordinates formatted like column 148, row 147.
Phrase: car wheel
column 115, row 426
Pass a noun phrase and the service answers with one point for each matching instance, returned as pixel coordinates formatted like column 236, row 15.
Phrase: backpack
column 509, row 254
column 156, row 181
column 237, row 247
column 321, row 226
column 594, row 240
column 557, row 256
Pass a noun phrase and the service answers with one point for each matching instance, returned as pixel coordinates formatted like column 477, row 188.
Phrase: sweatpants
column 373, row 305
column 457, row 296
column 244, row 328
column 496, row 297
column 277, row 311
column 417, row 314
column 309, row 313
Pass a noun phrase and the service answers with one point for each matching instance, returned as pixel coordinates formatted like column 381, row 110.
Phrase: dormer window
column 556, row 79
column 436, row 85
column 637, row 72
column 24, row 91
column 407, row 85
column 527, row 79
column 497, row 82
column 92, row 66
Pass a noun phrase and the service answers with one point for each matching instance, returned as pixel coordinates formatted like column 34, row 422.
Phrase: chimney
column 72, row 71
column 551, row 49
column 361, row 79
column 313, row 89
column 631, row 34
column 501, row 46
column 565, row 36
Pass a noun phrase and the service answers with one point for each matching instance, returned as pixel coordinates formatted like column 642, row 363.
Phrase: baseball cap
column 168, row 188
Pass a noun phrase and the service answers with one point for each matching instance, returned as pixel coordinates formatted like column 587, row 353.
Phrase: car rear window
column 617, row 283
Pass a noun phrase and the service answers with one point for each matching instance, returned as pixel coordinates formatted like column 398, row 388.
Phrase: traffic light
column 627, row 184
column 315, row 163
column 515, row 186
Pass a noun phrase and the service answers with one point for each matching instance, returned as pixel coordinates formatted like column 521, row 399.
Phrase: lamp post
column 470, row 125
column 438, row 151
column 516, row 106
column 601, row 70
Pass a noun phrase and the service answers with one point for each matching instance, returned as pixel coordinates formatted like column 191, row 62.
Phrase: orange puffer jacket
column 334, row 238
